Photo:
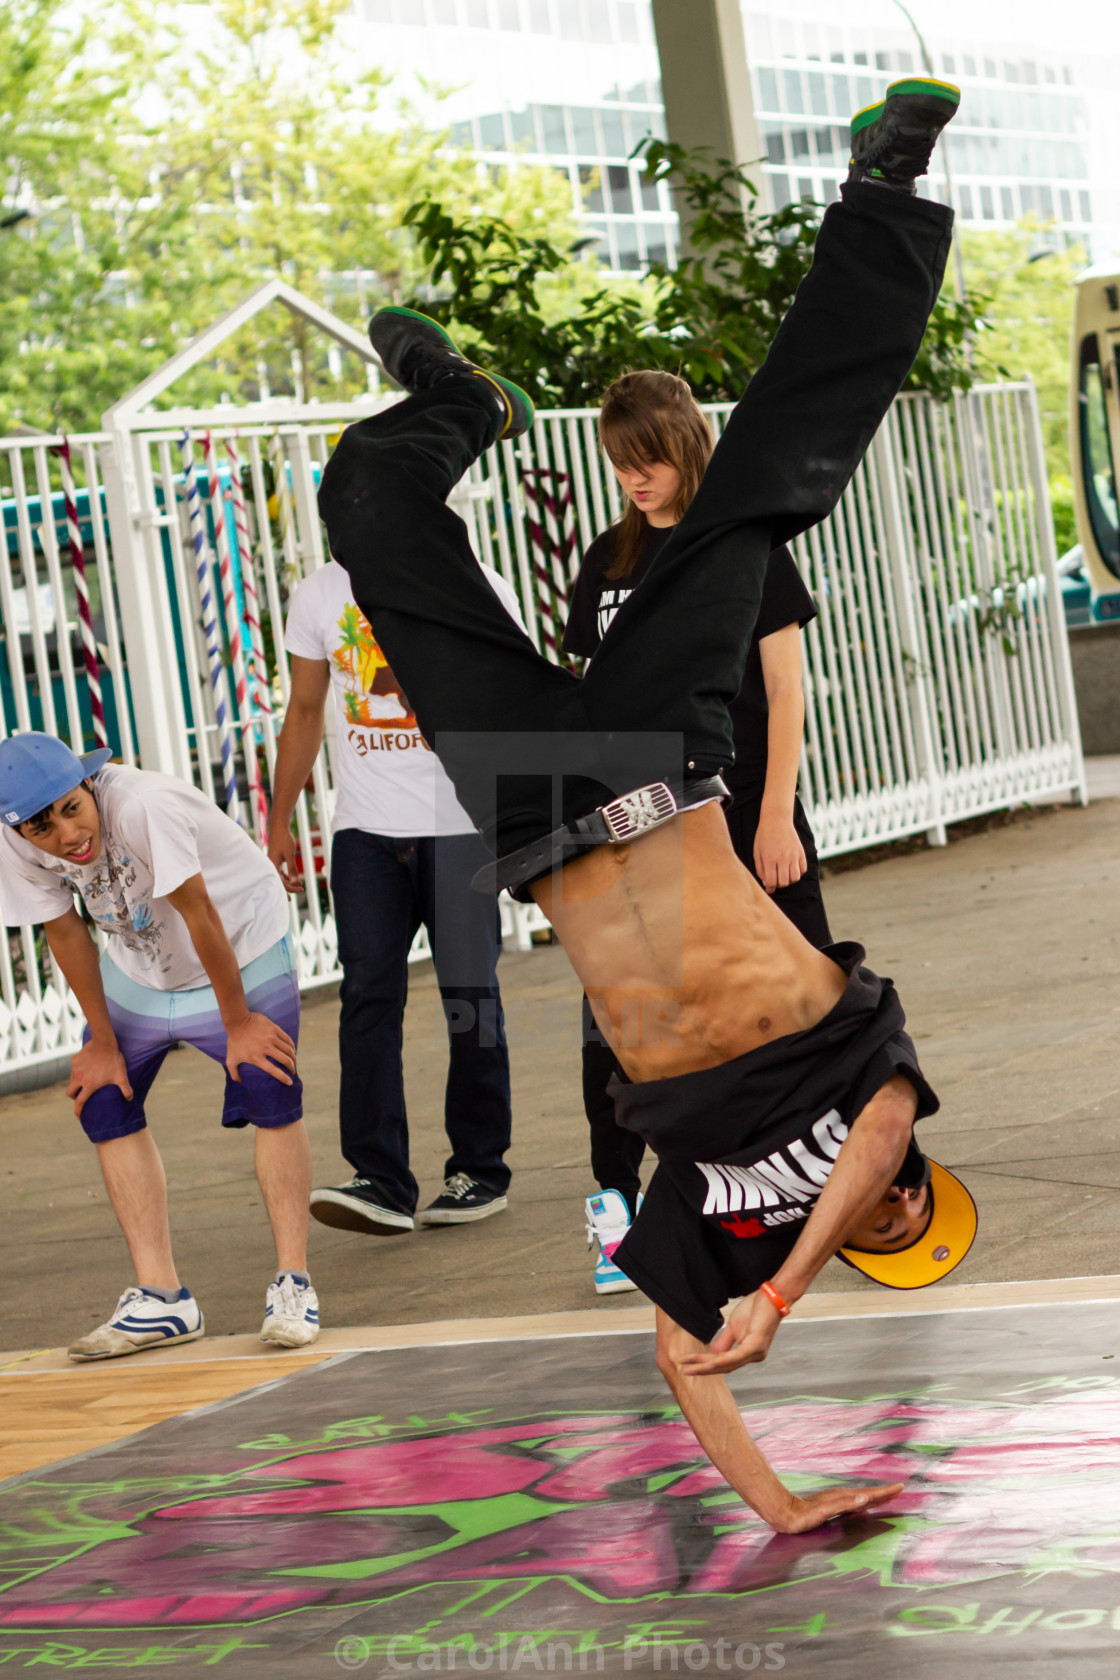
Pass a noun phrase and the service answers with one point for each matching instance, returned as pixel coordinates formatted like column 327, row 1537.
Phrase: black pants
column 617, row 1154
column 501, row 717
column 384, row 888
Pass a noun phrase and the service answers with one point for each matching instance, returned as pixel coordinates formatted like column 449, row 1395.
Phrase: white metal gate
column 937, row 675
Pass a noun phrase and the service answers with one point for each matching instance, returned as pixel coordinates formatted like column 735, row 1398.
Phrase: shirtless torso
column 685, row 960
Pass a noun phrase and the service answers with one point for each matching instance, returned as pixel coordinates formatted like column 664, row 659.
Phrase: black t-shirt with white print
column 596, row 599
column 744, row 1149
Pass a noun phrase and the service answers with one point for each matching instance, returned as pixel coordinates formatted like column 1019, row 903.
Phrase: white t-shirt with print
column 156, row 832
column 389, row 780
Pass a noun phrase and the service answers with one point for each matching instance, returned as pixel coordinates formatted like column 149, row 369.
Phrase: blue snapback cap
column 37, row 769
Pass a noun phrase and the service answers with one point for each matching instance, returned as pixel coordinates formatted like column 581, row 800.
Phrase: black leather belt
column 615, row 824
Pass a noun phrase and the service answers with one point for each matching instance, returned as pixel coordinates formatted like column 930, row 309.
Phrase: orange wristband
column 780, row 1306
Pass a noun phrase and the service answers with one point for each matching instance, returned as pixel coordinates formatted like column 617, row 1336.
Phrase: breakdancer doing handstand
column 773, row 1081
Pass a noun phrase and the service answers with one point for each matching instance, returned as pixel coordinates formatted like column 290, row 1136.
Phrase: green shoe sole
column 925, row 85
column 520, row 411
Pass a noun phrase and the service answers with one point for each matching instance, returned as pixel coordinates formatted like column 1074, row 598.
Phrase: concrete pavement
column 1006, row 950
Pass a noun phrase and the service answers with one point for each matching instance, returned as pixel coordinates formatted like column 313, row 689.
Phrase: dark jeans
column 616, row 1154
column 670, row 665
column 383, row 890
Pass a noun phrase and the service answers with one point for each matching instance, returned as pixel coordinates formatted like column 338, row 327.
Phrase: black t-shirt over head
column 596, row 598
column 745, row 1149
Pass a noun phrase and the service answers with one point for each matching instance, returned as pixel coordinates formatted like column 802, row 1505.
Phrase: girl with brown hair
column 658, row 442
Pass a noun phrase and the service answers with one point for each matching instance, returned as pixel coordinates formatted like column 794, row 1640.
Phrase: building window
column 651, row 197
column 965, row 196
column 842, row 103
column 1086, row 208
column 775, row 146
column 622, row 198
column 779, row 186
column 987, row 204
column 657, row 242
column 799, row 141
column 614, row 135
column 629, row 250
column 768, row 90
column 523, row 130
column 1007, row 203
column 571, row 22
column 539, row 21
column 627, row 22
column 1067, row 205
column 584, row 139
column 492, row 133
column 555, row 134
column 948, row 64
column 509, row 16
column 478, row 14
column 795, row 93
column 599, row 21
column 593, row 201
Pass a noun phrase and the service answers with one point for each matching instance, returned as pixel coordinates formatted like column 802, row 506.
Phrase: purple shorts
column 149, row 1023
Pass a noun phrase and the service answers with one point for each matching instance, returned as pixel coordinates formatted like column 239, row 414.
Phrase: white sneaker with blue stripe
column 141, row 1320
column 608, row 1220
column 291, row 1313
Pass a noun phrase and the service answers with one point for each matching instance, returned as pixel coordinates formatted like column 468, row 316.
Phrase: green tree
column 1029, row 283
column 258, row 152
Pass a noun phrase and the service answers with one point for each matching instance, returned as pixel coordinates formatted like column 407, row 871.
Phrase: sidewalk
column 1005, row 948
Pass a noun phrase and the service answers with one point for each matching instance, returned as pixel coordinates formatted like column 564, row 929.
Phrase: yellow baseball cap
column 942, row 1245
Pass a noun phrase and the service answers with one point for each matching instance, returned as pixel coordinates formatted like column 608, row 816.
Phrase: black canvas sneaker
column 893, row 140
column 360, row 1205
column 418, row 353
column 463, row 1199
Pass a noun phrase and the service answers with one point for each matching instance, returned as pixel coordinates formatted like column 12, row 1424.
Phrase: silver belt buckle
column 636, row 813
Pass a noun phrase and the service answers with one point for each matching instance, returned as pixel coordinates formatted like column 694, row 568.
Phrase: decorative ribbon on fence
column 210, row 629
column 81, row 588
column 232, row 613
column 552, row 545
column 257, row 660
column 284, row 514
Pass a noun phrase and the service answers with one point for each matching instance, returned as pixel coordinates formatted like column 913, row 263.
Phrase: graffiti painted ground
column 536, row 1506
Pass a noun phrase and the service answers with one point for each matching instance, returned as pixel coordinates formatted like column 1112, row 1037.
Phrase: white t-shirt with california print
column 156, row 832
column 389, row 780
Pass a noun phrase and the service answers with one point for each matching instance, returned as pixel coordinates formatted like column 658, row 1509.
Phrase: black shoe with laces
column 463, row 1199
column 893, row 140
column 418, row 354
column 360, row 1205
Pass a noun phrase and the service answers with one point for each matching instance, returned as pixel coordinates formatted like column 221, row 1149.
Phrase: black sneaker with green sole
column 893, row 140
column 417, row 352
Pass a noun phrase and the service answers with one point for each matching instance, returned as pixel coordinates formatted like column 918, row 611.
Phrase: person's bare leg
column 134, row 1177
column 710, row 1408
column 282, row 1156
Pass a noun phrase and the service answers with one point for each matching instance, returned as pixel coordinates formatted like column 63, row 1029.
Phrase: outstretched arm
column 865, row 1167
column 711, row 1410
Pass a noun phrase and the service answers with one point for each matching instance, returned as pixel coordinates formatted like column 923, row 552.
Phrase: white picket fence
column 937, row 675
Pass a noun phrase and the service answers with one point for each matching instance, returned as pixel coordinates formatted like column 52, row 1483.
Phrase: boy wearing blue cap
column 197, row 952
